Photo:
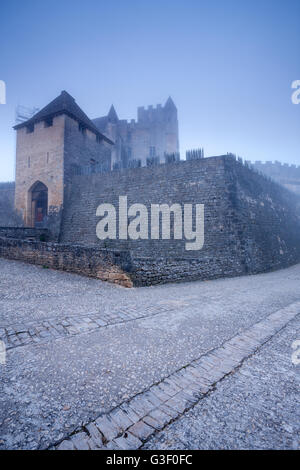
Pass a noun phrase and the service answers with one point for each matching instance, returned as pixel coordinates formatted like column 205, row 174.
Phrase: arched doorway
column 39, row 204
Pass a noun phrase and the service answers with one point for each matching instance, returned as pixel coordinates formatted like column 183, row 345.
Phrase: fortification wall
column 251, row 223
column 90, row 261
column 283, row 173
column 82, row 148
column 39, row 157
column 25, row 233
column 8, row 216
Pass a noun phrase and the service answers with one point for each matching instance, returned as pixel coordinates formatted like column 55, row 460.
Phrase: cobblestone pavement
column 87, row 347
column 133, row 422
column 47, row 330
column 257, row 407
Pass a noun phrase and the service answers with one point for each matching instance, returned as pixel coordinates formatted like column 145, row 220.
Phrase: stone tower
column 154, row 134
column 49, row 146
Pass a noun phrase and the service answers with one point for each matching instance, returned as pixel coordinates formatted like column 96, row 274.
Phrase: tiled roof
column 64, row 104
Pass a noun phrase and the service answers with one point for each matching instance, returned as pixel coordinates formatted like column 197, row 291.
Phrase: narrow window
column 82, row 128
column 152, row 151
column 47, row 157
column 28, row 162
column 49, row 122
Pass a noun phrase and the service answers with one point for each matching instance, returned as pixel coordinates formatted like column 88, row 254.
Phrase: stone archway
column 38, row 204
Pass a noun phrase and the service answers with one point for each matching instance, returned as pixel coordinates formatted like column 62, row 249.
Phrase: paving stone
column 141, row 405
column 121, row 418
column 159, row 393
column 152, row 422
column 141, row 430
column 189, row 396
column 14, row 340
column 66, row 445
column 160, row 416
column 176, row 388
column 153, row 398
column 44, row 334
column 167, row 389
column 95, row 433
column 93, row 445
column 80, row 441
column 129, row 440
column 112, row 445
column 132, row 415
column 122, row 443
column 169, row 411
column 177, row 403
column 179, row 381
column 107, row 427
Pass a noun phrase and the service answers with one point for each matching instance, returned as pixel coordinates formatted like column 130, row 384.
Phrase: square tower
column 49, row 145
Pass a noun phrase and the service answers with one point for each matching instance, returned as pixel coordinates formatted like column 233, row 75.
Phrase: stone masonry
column 152, row 135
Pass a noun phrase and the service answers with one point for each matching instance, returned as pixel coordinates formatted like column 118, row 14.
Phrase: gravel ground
column 47, row 390
column 257, row 407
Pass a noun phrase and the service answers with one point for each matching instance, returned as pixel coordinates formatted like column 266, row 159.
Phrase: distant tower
column 154, row 134
column 171, row 127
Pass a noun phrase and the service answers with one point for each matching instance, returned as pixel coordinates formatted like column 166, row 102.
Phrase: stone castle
column 152, row 136
column 251, row 223
column 61, row 139
column 285, row 174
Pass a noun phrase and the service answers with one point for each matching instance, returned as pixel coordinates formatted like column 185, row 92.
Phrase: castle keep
column 60, row 140
column 251, row 223
column 49, row 145
column 153, row 135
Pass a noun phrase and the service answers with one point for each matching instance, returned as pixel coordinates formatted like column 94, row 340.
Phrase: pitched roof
column 101, row 122
column 112, row 115
column 170, row 103
column 64, row 104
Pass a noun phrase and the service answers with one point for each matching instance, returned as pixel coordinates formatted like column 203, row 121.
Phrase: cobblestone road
column 79, row 349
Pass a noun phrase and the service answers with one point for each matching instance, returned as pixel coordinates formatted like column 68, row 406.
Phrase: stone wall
column 251, row 223
column 154, row 133
column 39, row 157
column 47, row 155
column 283, row 173
column 8, row 216
column 83, row 149
column 25, row 233
column 106, row 265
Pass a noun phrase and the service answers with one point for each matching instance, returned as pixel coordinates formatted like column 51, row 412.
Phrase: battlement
column 286, row 174
column 158, row 112
column 271, row 164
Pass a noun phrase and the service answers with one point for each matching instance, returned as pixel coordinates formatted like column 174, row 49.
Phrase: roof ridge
column 64, row 104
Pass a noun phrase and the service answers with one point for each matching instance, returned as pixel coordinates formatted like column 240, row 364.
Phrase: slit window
column 82, row 128
column 29, row 128
column 49, row 122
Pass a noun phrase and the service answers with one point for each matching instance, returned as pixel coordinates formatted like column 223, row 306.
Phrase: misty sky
column 228, row 65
